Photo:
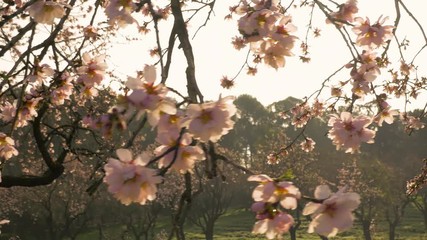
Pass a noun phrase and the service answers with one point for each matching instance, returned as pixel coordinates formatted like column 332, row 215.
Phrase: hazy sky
column 216, row 57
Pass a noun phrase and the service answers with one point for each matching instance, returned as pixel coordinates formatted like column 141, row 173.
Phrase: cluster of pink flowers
column 106, row 123
column 177, row 129
column 348, row 132
column 365, row 73
column 207, row 122
column 41, row 74
column 331, row 212
column 301, row 113
column 91, row 73
column 411, row 122
column 170, row 135
column 268, row 195
column 63, row 91
column 149, row 97
column 271, row 222
column 267, row 29
column 26, row 112
column 184, row 158
column 370, row 37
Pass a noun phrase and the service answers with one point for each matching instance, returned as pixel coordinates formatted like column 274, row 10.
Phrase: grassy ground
column 237, row 225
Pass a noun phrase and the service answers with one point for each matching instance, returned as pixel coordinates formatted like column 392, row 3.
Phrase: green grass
column 237, row 224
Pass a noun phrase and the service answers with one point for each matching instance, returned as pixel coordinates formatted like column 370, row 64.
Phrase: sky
column 215, row 56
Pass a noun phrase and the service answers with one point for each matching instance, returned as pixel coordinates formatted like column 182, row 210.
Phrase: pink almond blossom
column 372, row 36
column 271, row 222
column 272, row 52
column 147, row 96
column 345, row 13
column 90, row 32
column 256, row 25
column 411, row 122
column 307, row 145
column 282, row 30
column 63, row 91
column 106, row 123
column 7, row 149
column 268, row 31
column 273, row 191
column 171, row 123
column 119, row 11
column 18, row 3
column 333, row 212
column 89, row 92
column 210, row 121
column 27, row 111
column 7, row 111
column 41, row 74
column 129, row 180
column 46, row 11
column 186, row 156
column 92, row 72
column 348, row 132
column 386, row 115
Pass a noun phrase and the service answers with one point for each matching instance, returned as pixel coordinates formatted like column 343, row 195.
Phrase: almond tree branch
column 181, row 29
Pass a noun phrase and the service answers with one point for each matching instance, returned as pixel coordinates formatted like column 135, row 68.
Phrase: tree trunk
column 209, row 233
column 366, row 225
column 293, row 232
column 392, row 231
column 180, row 235
column 425, row 219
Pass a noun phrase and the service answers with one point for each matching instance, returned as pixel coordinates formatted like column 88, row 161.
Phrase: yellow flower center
column 144, row 185
column 330, row 210
column 281, row 191
column 185, row 154
column 205, row 117
column 124, row 3
column 282, row 30
column 261, row 19
column 173, row 119
column 48, row 8
column 150, row 88
column 130, row 180
column 348, row 126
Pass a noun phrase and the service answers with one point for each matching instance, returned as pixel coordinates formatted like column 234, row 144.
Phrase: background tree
column 211, row 204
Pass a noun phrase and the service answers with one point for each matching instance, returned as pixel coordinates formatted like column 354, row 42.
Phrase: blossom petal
column 322, row 192
column 125, row 155
column 260, row 178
